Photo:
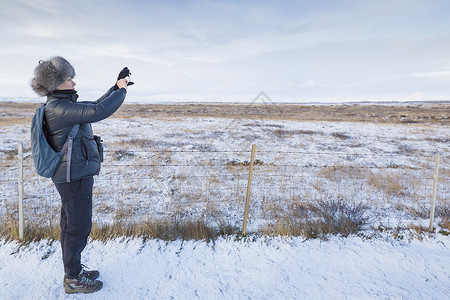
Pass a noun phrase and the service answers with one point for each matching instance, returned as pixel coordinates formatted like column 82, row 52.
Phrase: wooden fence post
column 435, row 183
column 247, row 200
column 20, row 185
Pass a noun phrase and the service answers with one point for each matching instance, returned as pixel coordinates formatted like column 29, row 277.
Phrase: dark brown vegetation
column 414, row 112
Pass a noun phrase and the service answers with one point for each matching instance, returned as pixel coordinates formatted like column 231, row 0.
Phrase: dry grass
column 388, row 183
column 337, row 173
column 431, row 112
column 8, row 121
column 443, row 212
column 122, row 154
column 320, row 220
column 10, row 154
column 147, row 229
column 413, row 113
column 164, row 230
column 445, row 225
column 403, row 231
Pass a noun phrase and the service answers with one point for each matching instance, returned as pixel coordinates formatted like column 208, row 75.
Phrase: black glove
column 124, row 73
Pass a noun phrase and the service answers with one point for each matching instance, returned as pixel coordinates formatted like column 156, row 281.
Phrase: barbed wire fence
column 178, row 184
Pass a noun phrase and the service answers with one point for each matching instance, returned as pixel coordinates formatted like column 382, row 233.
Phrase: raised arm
column 90, row 112
column 99, row 99
column 105, row 95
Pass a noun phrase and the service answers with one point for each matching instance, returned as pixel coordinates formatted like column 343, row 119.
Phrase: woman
column 54, row 78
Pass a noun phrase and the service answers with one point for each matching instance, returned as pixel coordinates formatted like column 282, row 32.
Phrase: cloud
column 308, row 83
column 231, row 48
column 431, row 74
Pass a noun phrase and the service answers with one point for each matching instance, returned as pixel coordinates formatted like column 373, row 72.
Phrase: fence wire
column 213, row 184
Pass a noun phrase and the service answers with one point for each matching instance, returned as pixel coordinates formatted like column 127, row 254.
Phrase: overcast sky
column 295, row 51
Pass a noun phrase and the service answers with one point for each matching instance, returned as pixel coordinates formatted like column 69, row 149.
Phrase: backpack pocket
column 98, row 141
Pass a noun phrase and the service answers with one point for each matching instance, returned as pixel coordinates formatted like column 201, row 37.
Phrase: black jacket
column 62, row 111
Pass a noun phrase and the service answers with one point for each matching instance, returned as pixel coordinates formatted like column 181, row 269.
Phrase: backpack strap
column 68, row 146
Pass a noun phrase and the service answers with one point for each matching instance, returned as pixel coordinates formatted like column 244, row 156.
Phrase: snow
column 195, row 167
column 264, row 268
column 157, row 166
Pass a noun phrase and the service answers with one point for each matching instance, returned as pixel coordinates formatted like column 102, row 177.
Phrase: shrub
column 339, row 217
column 321, row 219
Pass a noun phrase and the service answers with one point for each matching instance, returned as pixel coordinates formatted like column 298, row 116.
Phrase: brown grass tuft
column 320, row 220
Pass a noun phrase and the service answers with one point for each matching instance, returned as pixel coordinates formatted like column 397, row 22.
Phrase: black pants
column 76, row 221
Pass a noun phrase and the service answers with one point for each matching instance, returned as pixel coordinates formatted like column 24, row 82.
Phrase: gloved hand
column 124, row 73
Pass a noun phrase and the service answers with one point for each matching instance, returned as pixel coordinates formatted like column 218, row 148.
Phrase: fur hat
column 49, row 74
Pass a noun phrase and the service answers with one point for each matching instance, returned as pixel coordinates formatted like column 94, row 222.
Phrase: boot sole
column 71, row 290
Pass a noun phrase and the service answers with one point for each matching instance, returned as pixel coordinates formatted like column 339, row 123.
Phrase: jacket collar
column 63, row 95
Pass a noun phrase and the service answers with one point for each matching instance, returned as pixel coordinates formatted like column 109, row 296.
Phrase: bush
column 338, row 217
column 321, row 219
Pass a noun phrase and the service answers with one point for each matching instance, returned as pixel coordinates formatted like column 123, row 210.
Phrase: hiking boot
column 82, row 284
column 91, row 274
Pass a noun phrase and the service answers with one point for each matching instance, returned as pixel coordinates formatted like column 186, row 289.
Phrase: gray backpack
column 46, row 160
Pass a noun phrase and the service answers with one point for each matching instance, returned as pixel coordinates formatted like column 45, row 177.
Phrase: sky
column 294, row 51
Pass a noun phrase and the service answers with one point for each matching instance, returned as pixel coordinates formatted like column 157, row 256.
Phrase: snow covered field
column 190, row 168
column 272, row 268
column 197, row 168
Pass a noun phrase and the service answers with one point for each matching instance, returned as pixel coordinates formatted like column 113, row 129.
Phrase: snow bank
column 349, row 268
